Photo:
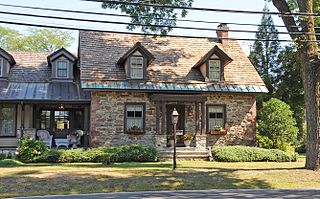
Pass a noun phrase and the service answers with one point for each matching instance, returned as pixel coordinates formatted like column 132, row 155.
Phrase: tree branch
column 288, row 20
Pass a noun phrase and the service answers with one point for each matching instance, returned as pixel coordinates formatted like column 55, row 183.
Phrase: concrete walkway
column 198, row 194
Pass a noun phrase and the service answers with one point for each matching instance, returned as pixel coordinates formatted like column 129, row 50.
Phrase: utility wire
column 128, row 16
column 207, row 9
column 145, row 34
column 145, row 25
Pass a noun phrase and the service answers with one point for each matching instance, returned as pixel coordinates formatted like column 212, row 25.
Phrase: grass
column 43, row 179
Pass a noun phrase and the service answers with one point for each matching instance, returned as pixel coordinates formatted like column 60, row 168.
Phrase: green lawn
column 40, row 179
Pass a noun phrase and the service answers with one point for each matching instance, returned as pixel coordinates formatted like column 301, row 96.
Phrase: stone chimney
column 223, row 32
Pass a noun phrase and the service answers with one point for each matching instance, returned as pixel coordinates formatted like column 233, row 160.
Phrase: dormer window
column 62, row 69
column 135, row 62
column 136, row 68
column 6, row 61
column 214, row 66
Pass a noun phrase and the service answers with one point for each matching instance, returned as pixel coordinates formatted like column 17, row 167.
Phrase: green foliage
column 133, row 153
column 250, row 154
column 10, row 163
column 35, row 39
column 149, row 18
column 49, row 156
column 30, row 149
column 264, row 53
column 277, row 124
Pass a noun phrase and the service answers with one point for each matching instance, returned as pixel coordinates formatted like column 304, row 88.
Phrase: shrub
column 9, row 163
column 132, row 153
column 277, row 124
column 49, row 156
column 85, row 155
column 30, row 149
column 250, row 154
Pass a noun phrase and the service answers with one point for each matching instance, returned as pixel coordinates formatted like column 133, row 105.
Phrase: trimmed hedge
column 36, row 151
column 10, row 163
column 250, row 154
column 132, row 153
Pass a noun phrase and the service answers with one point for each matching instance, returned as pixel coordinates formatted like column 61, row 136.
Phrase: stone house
column 137, row 81
column 122, row 89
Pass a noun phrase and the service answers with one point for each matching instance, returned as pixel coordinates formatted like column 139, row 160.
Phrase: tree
column 153, row 19
column 46, row 40
column 307, row 51
column 264, row 53
column 289, row 88
column 277, row 124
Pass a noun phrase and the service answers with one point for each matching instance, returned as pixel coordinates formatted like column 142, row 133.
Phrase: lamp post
column 174, row 119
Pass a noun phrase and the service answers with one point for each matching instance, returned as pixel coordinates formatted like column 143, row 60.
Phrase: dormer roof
column 137, row 47
column 7, row 56
column 61, row 52
column 214, row 51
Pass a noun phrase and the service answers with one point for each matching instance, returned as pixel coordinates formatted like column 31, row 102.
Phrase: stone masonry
column 107, row 120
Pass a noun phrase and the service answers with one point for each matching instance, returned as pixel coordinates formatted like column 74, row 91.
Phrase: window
column 62, row 69
column 45, row 119
column 8, row 120
column 134, row 118
column 214, row 69
column 215, row 116
column 61, row 119
column 1, row 66
column 136, row 67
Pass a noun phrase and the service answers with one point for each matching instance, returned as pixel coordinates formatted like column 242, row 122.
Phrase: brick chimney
column 223, row 32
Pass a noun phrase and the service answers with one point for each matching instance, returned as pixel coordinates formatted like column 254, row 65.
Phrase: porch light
column 61, row 107
column 189, row 111
column 174, row 119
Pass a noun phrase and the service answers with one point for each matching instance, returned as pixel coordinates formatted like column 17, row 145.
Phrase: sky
column 254, row 5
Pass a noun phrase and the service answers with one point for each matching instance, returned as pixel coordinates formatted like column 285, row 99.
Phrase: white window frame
column 57, row 69
column 216, row 120
column 212, row 69
column 134, row 65
column 1, row 66
column 141, row 118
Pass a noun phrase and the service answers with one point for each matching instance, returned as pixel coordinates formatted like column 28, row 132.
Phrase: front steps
column 184, row 154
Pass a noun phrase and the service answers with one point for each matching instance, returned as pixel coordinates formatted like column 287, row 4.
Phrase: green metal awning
column 170, row 87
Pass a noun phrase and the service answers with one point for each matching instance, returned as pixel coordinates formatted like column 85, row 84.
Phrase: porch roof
column 47, row 92
column 176, row 87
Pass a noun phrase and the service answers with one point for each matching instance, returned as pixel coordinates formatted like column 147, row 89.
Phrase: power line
column 128, row 16
column 207, row 9
column 145, row 25
column 146, row 34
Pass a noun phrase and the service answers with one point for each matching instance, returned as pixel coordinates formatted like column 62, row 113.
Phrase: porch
column 192, row 120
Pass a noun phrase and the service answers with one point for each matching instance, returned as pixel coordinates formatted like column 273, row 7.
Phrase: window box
column 135, row 130
column 213, row 132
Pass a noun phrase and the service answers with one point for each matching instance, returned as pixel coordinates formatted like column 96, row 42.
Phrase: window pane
column 130, row 113
column 45, row 119
column 7, row 120
column 134, row 117
column 136, row 67
column 214, row 69
column 61, row 119
column 216, row 117
column 62, row 69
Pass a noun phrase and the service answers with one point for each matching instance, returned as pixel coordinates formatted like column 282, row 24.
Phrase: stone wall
column 107, row 120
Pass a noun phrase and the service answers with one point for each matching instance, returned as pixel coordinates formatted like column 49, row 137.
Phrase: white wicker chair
column 45, row 136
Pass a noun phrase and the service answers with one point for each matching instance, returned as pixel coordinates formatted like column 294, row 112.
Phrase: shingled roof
column 173, row 63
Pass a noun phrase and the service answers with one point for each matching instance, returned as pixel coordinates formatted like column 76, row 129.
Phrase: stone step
column 185, row 153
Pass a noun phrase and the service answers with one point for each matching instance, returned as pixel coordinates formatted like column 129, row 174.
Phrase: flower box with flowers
column 218, row 131
column 135, row 130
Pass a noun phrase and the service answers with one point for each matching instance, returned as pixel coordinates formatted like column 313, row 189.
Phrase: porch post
column 157, row 117
column 203, row 120
column 197, row 117
column 86, row 125
column 163, row 122
column 22, row 119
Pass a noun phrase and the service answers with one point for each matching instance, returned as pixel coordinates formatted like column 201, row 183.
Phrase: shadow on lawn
column 88, row 181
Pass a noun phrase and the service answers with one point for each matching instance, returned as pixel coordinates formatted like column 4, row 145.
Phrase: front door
column 181, row 121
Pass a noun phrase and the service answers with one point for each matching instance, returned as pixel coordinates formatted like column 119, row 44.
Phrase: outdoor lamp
column 174, row 118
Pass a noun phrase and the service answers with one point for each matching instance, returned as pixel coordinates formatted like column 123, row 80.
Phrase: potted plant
column 187, row 138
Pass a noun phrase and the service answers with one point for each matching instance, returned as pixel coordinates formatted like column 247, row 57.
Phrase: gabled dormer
column 6, row 61
column 62, row 64
column 212, row 64
column 135, row 62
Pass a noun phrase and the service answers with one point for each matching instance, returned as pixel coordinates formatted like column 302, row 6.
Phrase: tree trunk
column 310, row 73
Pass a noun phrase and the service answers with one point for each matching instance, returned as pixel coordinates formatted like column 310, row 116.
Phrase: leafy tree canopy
column 151, row 19
column 46, row 40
